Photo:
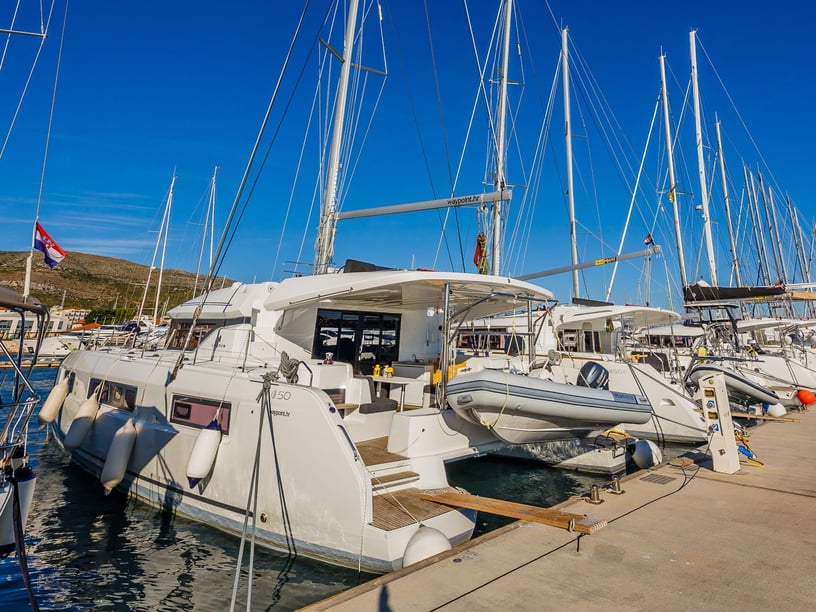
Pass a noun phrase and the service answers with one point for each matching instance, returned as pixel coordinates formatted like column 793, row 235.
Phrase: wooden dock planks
column 555, row 518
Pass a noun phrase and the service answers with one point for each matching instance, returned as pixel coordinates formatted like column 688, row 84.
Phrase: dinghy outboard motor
column 594, row 375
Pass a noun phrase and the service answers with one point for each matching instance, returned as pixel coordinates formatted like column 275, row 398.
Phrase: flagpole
column 27, row 282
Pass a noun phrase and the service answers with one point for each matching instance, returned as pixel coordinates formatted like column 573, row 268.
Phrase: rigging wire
column 31, row 71
column 228, row 234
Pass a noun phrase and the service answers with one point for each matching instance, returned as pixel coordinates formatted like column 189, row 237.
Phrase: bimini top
column 11, row 300
column 565, row 316
column 407, row 289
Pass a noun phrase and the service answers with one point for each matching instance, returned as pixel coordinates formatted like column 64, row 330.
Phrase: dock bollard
column 615, row 487
column 595, row 495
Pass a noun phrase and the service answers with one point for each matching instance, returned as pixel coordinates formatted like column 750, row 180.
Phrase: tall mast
column 678, row 237
column 712, row 264
column 500, row 138
column 209, row 228
column 770, row 227
column 798, row 238
column 165, row 220
column 166, row 229
column 764, row 269
column 727, row 200
column 325, row 238
column 576, row 289
column 776, row 238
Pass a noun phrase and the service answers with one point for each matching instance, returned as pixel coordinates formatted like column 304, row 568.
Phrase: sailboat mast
column 156, row 250
column 166, row 229
column 769, row 225
column 209, row 227
column 753, row 201
column 678, row 236
column 783, row 268
column 727, row 200
column 211, row 213
column 576, row 289
column 798, row 239
column 500, row 138
column 325, row 238
column 712, row 264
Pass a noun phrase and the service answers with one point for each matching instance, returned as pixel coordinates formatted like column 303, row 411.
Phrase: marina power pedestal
column 714, row 399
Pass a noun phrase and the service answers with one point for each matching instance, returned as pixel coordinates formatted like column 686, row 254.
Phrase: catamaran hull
column 522, row 409
column 314, row 494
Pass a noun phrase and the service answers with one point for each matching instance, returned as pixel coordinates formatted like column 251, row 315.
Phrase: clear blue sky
column 146, row 90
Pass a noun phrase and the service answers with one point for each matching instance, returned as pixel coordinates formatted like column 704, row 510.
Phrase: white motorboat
column 520, row 409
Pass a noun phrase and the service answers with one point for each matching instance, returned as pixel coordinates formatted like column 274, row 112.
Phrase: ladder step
column 387, row 480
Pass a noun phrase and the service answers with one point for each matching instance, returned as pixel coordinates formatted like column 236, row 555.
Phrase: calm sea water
column 88, row 551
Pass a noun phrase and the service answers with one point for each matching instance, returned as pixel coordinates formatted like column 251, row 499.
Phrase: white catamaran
column 267, row 404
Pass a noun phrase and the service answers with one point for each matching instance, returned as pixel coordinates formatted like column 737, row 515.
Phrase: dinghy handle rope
column 504, row 405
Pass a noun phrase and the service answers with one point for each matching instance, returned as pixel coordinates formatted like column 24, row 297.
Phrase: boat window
column 117, row 395
column 568, row 339
column 592, row 342
column 198, row 412
column 363, row 339
column 179, row 330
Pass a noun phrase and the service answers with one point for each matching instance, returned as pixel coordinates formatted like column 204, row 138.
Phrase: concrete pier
column 680, row 537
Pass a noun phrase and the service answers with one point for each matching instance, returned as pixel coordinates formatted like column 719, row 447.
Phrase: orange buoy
column 806, row 397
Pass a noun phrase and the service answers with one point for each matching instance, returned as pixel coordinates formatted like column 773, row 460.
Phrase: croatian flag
column 52, row 251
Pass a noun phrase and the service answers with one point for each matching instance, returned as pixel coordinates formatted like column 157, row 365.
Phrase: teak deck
column 405, row 507
column 373, row 452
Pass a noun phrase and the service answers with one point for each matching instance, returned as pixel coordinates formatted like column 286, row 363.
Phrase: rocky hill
column 92, row 281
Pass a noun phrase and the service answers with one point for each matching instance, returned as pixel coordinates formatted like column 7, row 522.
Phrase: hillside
column 92, row 281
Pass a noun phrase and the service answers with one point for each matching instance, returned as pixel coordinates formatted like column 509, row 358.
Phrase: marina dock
column 679, row 537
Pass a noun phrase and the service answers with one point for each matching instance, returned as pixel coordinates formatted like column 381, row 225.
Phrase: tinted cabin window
column 198, row 412
column 362, row 339
column 117, row 395
column 179, row 330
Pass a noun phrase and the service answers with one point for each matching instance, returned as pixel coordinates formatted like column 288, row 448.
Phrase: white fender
column 202, row 457
column 81, row 425
column 776, row 410
column 646, row 454
column 26, row 482
column 426, row 542
column 53, row 402
column 116, row 462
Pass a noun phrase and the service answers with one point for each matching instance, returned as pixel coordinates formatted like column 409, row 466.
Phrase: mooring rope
column 288, row 368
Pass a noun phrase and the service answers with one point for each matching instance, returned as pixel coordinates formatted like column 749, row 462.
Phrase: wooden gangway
column 573, row 522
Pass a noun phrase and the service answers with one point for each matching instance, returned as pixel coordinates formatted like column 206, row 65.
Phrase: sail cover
column 703, row 292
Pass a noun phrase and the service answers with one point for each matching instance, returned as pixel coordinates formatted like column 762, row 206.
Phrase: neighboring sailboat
column 17, row 476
